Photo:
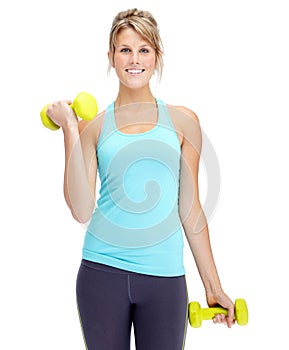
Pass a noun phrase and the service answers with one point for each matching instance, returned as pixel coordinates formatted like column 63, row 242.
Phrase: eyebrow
column 127, row 45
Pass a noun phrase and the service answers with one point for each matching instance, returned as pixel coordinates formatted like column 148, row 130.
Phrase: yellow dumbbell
column 84, row 106
column 197, row 314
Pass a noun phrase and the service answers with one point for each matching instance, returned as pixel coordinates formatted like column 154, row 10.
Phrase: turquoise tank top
column 135, row 225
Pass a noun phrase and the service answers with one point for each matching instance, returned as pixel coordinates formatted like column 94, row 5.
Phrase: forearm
column 199, row 242
column 77, row 191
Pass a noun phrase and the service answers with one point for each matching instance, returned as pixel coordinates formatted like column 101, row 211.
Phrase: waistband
column 111, row 269
column 105, row 268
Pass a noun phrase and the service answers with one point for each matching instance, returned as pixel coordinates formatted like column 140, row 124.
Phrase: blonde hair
column 145, row 25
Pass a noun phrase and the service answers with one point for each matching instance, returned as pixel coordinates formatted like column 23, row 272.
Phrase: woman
column 147, row 154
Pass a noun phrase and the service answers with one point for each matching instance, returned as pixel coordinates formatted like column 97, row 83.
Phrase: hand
column 221, row 299
column 61, row 114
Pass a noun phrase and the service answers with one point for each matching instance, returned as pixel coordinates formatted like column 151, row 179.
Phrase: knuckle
column 49, row 109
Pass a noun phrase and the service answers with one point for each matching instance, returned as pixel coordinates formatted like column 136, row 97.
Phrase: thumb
column 231, row 315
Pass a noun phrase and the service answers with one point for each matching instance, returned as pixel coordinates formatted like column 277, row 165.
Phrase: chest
column 136, row 128
column 140, row 128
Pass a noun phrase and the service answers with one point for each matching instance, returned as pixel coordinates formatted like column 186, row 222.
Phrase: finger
column 219, row 318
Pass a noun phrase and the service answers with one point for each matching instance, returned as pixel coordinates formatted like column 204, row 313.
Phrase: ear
column 109, row 56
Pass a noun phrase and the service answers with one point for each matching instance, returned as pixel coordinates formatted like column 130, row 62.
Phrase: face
column 134, row 59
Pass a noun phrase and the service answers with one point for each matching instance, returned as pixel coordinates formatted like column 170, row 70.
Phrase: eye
column 143, row 50
column 125, row 50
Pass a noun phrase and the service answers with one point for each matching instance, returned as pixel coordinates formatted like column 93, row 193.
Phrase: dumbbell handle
column 210, row 313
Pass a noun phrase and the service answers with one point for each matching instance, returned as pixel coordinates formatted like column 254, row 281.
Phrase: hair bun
column 134, row 12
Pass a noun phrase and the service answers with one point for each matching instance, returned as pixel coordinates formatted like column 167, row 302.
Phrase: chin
column 135, row 82
column 135, row 86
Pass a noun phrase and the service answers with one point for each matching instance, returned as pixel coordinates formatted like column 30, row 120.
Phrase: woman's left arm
column 193, row 218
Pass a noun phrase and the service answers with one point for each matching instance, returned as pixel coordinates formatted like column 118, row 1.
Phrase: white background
column 226, row 60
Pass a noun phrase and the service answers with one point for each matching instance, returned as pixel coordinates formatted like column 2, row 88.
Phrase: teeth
column 134, row 71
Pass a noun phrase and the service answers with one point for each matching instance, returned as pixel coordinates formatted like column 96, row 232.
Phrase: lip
column 134, row 71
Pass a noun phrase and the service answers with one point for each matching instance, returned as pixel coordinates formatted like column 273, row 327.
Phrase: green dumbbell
column 198, row 314
column 84, row 106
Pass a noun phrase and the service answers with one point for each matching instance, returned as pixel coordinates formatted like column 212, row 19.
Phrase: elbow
column 194, row 223
column 82, row 215
column 81, row 212
column 82, row 218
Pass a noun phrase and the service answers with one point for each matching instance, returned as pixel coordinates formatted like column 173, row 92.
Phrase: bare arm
column 193, row 218
column 80, row 161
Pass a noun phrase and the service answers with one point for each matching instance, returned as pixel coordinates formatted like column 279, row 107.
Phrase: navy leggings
column 110, row 300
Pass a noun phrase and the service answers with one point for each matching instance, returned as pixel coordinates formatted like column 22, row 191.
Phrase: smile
column 134, row 71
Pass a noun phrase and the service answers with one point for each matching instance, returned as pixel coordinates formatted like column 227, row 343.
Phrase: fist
column 62, row 114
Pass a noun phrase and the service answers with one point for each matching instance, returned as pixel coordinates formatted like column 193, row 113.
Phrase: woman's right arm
column 80, row 161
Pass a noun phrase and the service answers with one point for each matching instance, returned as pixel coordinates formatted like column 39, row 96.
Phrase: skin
column 133, row 54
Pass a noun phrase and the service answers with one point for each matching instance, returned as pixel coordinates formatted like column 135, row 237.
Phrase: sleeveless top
column 135, row 225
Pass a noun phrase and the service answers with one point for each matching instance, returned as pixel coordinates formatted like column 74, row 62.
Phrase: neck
column 127, row 95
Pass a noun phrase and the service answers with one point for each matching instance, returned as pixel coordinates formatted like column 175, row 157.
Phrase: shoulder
column 182, row 114
column 91, row 128
column 184, row 118
column 93, row 123
column 188, row 124
column 186, row 112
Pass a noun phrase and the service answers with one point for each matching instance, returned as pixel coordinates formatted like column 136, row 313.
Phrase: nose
column 134, row 57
